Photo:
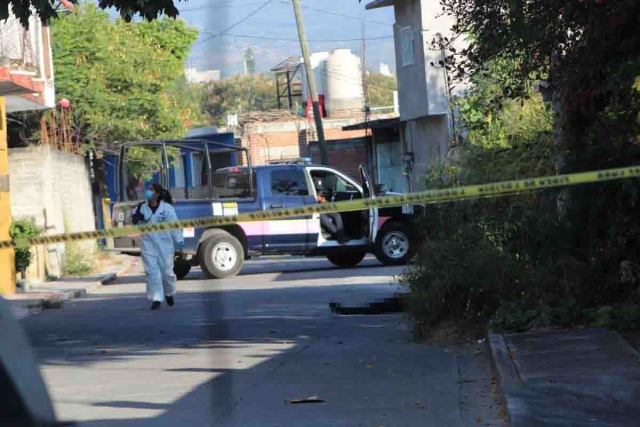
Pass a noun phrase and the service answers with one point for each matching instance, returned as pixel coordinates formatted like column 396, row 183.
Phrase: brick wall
column 266, row 146
column 48, row 184
column 344, row 155
column 286, row 140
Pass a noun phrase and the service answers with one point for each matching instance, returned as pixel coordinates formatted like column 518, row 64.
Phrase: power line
column 237, row 22
column 328, row 12
column 246, row 36
column 231, row 4
column 222, row 4
column 278, row 56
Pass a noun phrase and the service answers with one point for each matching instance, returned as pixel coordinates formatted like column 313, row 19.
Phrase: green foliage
column 126, row 79
column 77, row 262
column 458, row 275
column 515, row 316
column 441, row 175
column 23, row 229
column 514, row 259
column 47, row 9
column 381, row 89
column 256, row 92
column 579, row 33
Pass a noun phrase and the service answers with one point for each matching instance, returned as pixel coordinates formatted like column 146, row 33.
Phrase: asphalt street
column 232, row 352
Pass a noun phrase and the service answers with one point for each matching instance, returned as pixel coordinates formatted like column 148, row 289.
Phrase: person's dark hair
column 165, row 196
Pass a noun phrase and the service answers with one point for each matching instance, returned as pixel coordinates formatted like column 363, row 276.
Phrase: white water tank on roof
column 344, row 82
column 318, row 63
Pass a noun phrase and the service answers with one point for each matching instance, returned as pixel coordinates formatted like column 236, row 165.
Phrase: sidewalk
column 578, row 378
column 53, row 294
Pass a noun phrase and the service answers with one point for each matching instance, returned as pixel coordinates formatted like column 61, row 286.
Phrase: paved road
column 232, row 351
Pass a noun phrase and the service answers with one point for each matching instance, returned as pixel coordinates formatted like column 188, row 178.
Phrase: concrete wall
column 428, row 139
column 434, row 23
column 422, row 87
column 53, row 188
column 412, row 87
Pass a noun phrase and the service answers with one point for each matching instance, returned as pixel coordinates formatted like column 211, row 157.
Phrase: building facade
column 423, row 87
column 194, row 76
column 26, row 83
column 26, row 65
column 283, row 136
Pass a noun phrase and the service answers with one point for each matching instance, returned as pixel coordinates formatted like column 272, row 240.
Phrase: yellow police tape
column 430, row 196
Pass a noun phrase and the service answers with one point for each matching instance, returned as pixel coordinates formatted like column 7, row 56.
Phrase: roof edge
column 376, row 4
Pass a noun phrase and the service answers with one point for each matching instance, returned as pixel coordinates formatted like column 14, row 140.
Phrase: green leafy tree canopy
column 381, row 89
column 122, row 76
column 255, row 92
column 47, row 9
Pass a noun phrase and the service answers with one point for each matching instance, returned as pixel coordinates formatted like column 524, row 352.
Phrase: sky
column 269, row 27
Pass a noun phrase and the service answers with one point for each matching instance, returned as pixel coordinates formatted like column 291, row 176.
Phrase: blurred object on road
column 26, row 400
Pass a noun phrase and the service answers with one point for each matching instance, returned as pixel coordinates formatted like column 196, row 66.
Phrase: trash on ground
column 312, row 399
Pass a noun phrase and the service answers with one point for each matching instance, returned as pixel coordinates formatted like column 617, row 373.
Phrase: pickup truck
column 220, row 252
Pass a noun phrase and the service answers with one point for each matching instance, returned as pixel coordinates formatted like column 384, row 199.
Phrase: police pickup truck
column 220, row 252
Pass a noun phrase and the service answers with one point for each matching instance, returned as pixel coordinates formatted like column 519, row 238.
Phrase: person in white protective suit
column 158, row 249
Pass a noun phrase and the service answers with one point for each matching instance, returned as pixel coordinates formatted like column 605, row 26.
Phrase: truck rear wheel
column 393, row 246
column 221, row 255
column 346, row 259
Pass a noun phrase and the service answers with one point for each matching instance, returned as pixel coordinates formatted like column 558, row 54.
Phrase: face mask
column 149, row 194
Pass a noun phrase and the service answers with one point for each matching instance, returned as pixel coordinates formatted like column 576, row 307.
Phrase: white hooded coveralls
column 158, row 252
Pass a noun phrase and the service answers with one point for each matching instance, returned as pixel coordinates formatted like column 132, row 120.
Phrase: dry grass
column 448, row 333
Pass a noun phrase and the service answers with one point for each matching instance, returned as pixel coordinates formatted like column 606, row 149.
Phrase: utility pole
column 324, row 158
column 365, row 86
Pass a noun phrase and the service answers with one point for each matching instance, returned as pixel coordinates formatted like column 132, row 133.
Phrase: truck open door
column 367, row 188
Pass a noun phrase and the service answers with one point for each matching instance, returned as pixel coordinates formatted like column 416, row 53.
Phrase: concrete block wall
column 428, row 138
column 53, row 188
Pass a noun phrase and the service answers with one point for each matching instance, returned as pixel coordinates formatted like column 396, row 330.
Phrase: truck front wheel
column 393, row 246
column 221, row 255
column 346, row 259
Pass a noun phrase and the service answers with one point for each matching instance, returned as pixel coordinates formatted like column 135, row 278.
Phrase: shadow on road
column 106, row 328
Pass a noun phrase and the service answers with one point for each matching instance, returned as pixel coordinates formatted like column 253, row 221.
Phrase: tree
column 122, row 76
column 240, row 93
column 125, row 81
column 381, row 89
column 584, row 55
column 584, row 51
column 45, row 9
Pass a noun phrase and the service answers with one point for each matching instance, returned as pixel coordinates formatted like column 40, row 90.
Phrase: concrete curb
column 567, row 377
column 506, row 371
column 61, row 296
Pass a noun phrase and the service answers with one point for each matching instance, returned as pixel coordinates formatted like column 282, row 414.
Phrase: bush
column 519, row 259
column 23, row 229
column 77, row 262
column 512, row 260
column 459, row 276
